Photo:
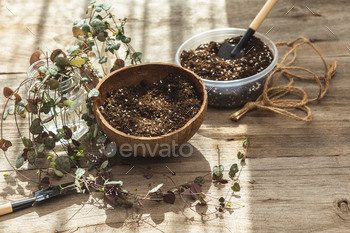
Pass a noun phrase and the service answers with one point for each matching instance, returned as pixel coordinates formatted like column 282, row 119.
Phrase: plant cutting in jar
column 101, row 27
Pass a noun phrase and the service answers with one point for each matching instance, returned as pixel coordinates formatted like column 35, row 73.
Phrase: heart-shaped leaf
column 103, row 60
column 63, row 164
column 32, row 156
column 169, row 197
column 27, row 142
column 218, row 170
column 93, row 93
column 68, row 103
column 236, row 187
column 46, row 108
column 62, row 61
column 195, row 189
column 77, row 62
column 19, row 162
column 233, row 170
column 35, row 57
column 5, row 144
column 68, row 132
column 77, row 32
column 56, row 53
column 79, row 172
column 49, row 143
column 58, row 173
column 32, row 108
column 114, row 183
column 41, row 148
column 9, row 110
column 53, row 83
column 73, row 48
column 104, row 164
column 155, row 189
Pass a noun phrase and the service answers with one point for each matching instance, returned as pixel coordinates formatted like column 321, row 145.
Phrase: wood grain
column 297, row 174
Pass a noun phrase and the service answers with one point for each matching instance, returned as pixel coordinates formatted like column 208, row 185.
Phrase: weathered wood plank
column 297, row 173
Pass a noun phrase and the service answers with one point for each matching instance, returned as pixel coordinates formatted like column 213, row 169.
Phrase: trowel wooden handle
column 17, row 205
column 6, row 209
column 262, row 14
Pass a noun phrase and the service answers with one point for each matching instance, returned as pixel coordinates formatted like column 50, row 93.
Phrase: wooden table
column 296, row 178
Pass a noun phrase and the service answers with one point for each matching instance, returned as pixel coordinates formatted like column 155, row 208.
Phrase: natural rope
column 271, row 100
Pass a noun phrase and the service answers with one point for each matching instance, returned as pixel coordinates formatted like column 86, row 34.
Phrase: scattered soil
column 205, row 62
column 152, row 109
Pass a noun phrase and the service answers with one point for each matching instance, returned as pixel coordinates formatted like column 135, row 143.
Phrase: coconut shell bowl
column 152, row 72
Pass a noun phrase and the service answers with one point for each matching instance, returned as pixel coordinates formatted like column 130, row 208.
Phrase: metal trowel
column 229, row 51
column 38, row 196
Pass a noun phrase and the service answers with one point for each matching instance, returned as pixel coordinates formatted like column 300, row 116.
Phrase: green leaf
column 245, row 142
column 53, row 70
column 222, row 199
column 116, row 46
column 137, row 56
column 62, row 61
column 236, row 187
column 199, row 180
column 9, row 110
column 6, row 175
column 58, row 173
column 21, row 106
column 240, row 155
column 155, row 189
column 218, row 170
column 101, row 139
column 85, row 117
column 200, row 199
column 27, row 142
column 32, row 108
column 44, row 70
column 35, row 127
column 50, row 157
column 79, row 172
column 53, row 83
column 93, row 93
column 57, row 100
column 114, row 183
column 103, row 60
column 86, row 28
column 46, row 108
column 68, row 103
column 41, row 148
column 126, row 40
column 98, row 9
column 215, row 177
column 77, row 62
column 19, row 162
column 105, row 6
column 46, row 97
column 233, row 170
column 31, row 156
column 63, row 163
column 73, row 48
column 104, row 164
column 84, row 80
column 49, row 143
column 82, row 147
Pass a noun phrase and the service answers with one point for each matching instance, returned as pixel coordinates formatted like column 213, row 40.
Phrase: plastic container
column 236, row 92
column 70, row 89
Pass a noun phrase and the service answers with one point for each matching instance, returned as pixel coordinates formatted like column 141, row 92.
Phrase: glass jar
column 70, row 89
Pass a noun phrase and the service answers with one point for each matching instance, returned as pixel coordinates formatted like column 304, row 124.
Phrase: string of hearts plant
column 47, row 103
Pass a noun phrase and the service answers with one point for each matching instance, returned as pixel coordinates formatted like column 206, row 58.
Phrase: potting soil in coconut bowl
column 229, row 83
column 150, row 109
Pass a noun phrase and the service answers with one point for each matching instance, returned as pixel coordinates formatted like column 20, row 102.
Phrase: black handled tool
column 38, row 196
column 228, row 51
